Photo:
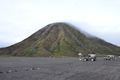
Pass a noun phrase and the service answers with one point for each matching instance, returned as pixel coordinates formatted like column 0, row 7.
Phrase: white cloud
column 21, row 18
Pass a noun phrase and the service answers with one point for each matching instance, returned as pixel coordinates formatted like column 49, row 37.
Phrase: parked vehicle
column 92, row 57
column 89, row 57
column 109, row 57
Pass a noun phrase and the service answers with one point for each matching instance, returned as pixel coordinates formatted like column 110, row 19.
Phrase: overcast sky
column 20, row 18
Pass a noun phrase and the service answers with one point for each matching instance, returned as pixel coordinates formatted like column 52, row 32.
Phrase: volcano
column 60, row 39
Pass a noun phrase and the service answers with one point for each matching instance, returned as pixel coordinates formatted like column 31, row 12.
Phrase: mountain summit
column 60, row 39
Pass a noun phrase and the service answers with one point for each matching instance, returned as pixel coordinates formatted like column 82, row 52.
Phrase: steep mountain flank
column 60, row 39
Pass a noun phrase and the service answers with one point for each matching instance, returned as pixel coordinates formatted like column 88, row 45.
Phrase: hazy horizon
column 20, row 19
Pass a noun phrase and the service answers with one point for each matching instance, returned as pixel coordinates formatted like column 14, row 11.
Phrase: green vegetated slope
column 60, row 39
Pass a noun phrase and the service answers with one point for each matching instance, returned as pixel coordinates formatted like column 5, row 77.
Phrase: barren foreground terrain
column 28, row 68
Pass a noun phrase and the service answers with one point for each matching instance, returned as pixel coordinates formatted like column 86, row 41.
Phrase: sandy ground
column 22, row 68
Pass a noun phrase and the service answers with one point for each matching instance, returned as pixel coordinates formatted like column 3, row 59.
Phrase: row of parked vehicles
column 92, row 57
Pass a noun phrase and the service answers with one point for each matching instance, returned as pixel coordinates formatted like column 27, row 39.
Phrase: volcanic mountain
column 60, row 39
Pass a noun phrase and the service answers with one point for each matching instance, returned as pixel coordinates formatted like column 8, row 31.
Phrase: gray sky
column 20, row 18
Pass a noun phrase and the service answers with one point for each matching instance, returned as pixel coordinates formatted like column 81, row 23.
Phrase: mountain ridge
column 60, row 39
